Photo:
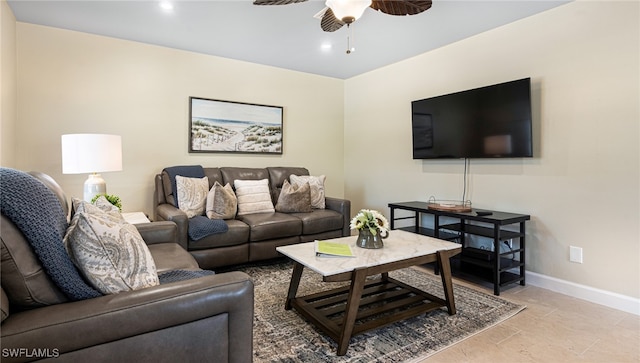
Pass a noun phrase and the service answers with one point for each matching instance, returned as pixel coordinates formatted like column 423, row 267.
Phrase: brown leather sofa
column 205, row 319
column 252, row 237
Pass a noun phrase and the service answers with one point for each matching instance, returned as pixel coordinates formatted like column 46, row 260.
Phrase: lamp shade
column 348, row 10
column 91, row 153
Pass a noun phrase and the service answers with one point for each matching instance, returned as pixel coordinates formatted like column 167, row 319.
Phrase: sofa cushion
column 319, row 221
column 201, row 226
column 237, row 234
column 170, row 256
column 192, row 195
column 317, row 188
column 108, row 251
column 221, row 202
column 294, row 199
column 253, row 196
column 229, row 174
column 264, row 226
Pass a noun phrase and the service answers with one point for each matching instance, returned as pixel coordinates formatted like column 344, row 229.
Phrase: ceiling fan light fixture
column 348, row 10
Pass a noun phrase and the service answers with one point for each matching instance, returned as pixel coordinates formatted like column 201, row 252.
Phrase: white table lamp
column 91, row 153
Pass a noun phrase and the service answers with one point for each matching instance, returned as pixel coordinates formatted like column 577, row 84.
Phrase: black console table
column 484, row 223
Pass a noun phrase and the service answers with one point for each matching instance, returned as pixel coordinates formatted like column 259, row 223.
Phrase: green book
column 332, row 249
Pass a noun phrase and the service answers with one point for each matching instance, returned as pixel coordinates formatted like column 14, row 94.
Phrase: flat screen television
column 486, row 122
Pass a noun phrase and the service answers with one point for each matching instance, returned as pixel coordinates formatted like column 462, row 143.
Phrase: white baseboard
column 598, row 296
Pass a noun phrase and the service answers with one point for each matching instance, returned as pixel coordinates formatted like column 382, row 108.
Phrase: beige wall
column 581, row 189
column 7, row 85
column 71, row 82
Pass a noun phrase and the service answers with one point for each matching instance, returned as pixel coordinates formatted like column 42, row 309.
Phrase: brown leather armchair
column 205, row 319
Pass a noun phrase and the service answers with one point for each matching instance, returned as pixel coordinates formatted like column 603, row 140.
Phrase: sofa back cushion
column 50, row 183
column 231, row 174
column 214, row 175
column 24, row 280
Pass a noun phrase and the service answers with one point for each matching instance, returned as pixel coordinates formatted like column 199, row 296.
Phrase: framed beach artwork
column 233, row 127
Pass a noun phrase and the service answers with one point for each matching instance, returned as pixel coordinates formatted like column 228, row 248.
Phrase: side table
column 135, row 217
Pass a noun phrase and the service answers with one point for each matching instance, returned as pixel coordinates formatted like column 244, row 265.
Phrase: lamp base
column 93, row 186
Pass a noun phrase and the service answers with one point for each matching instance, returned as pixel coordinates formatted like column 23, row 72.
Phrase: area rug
column 284, row 336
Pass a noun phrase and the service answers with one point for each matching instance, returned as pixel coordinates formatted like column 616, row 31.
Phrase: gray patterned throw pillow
column 108, row 251
column 192, row 195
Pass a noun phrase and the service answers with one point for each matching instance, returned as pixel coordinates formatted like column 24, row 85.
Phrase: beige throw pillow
column 317, row 188
column 221, row 202
column 109, row 252
column 192, row 195
column 253, row 196
column 294, row 199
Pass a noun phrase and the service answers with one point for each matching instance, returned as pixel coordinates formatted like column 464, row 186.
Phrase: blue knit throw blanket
column 36, row 211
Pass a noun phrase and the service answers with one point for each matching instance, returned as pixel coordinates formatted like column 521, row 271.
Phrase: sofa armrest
column 342, row 206
column 168, row 212
column 158, row 232
column 70, row 327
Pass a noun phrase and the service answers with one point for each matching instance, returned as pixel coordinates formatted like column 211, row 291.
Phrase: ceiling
column 285, row 36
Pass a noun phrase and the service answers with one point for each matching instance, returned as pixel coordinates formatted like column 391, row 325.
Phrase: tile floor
column 553, row 328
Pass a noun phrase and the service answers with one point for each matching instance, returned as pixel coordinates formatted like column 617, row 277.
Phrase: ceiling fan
column 341, row 12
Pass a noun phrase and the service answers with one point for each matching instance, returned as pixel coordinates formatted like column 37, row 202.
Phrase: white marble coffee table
column 368, row 304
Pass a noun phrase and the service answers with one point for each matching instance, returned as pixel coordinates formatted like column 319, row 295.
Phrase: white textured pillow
column 253, row 196
column 192, row 195
column 108, row 251
column 221, row 202
column 317, row 188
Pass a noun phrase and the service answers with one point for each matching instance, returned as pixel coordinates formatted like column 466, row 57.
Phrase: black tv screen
column 486, row 122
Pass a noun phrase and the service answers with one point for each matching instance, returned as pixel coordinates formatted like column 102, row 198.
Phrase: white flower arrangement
column 371, row 219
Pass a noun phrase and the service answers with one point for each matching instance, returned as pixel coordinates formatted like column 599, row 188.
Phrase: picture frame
column 217, row 126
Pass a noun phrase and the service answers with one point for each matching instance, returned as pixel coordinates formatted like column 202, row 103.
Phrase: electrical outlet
column 575, row 254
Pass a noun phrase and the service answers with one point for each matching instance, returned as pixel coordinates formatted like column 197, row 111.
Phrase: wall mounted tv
column 486, row 122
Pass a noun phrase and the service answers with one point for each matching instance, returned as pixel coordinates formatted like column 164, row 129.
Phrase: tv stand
column 478, row 222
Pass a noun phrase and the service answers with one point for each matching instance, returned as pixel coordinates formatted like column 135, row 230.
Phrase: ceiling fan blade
column 329, row 22
column 277, row 2
column 401, row 7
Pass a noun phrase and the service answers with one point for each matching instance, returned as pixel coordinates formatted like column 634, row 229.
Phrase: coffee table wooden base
column 367, row 304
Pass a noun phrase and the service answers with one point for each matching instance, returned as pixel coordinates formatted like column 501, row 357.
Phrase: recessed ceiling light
column 166, row 6
column 326, row 46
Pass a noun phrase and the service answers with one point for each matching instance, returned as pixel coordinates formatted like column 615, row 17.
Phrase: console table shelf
column 479, row 231
column 430, row 232
column 496, row 264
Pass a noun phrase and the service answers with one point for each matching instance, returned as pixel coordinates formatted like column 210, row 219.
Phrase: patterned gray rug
column 284, row 336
